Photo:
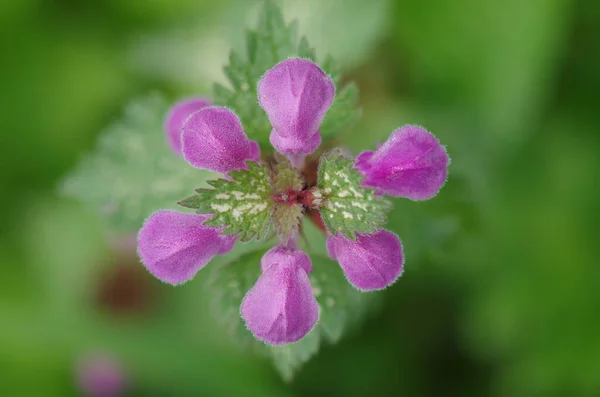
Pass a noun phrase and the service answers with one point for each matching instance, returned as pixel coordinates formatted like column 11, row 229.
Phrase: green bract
column 348, row 207
column 242, row 205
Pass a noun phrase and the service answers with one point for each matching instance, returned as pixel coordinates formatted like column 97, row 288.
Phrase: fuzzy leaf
column 272, row 42
column 285, row 176
column 289, row 358
column 132, row 172
column 287, row 219
column 242, row 205
column 343, row 114
column 348, row 207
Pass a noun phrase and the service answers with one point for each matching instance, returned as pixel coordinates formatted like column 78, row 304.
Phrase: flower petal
column 296, row 94
column 281, row 307
column 174, row 246
column 176, row 118
column 213, row 138
column 279, row 255
column 291, row 145
column 411, row 163
column 371, row 262
column 100, row 376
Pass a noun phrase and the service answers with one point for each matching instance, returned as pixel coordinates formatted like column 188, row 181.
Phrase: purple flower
column 296, row 94
column 176, row 118
column 411, row 163
column 213, row 138
column 281, row 307
column 100, row 376
column 174, row 246
column 371, row 262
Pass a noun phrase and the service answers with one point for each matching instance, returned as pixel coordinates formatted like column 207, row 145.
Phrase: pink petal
column 371, row 262
column 100, row 376
column 296, row 94
column 213, row 138
column 174, row 246
column 281, row 307
column 176, row 118
column 411, row 163
column 278, row 255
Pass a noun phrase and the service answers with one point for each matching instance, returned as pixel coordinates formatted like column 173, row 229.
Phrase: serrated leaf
column 343, row 114
column 285, row 176
column 287, row 219
column 242, row 205
column 289, row 358
column 348, row 207
column 132, row 172
column 190, row 202
column 272, row 42
column 305, row 50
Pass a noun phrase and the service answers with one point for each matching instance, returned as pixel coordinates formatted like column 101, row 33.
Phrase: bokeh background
column 500, row 295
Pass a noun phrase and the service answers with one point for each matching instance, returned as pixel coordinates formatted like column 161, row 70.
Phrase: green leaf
column 348, row 207
column 343, row 114
column 286, row 216
column 132, row 172
column 272, row 42
column 285, row 176
column 243, row 205
column 289, row 358
column 287, row 219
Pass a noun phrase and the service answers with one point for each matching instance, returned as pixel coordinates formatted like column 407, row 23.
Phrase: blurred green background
column 500, row 294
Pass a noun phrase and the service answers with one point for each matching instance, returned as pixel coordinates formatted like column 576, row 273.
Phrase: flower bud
column 411, row 163
column 371, row 262
column 296, row 94
column 214, row 139
column 174, row 246
column 281, row 307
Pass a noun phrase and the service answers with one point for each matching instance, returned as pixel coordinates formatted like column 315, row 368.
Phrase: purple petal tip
column 174, row 246
column 176, row 118
column 371, row 262
column 213, row 138
column 296, row 94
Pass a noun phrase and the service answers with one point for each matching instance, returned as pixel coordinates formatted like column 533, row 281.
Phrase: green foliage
column 286, row 216
column 133, row 172
column 348, row 207
column 289, row 358
column 343, row 114
column 285, row 176
column 242, row 205
column 272, row 42
column 287, row 219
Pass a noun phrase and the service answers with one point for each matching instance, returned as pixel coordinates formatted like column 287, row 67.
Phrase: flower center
column 309, row 198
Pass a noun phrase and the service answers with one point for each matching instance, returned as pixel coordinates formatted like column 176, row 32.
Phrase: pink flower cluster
column 295, row 94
